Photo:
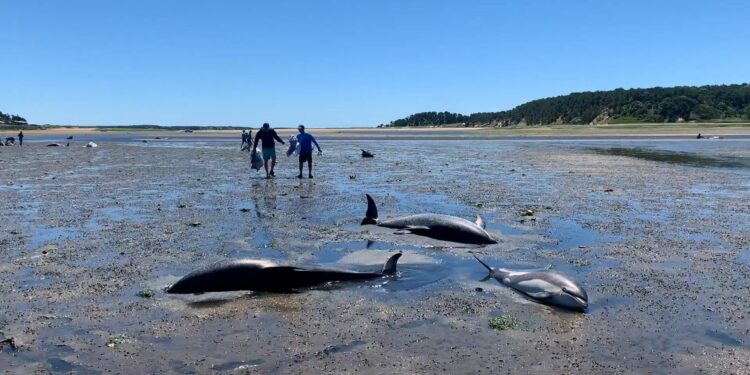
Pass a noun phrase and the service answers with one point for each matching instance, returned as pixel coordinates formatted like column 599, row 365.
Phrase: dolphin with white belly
column 441, row 227
column 546, row 286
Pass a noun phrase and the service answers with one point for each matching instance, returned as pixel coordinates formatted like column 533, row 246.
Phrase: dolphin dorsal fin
column 481, row 222
column 371, row 217
column 389, row 268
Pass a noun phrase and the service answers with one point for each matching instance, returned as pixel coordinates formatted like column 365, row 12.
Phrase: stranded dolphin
column 441, row 227
column 545, row 286
column 263, row 276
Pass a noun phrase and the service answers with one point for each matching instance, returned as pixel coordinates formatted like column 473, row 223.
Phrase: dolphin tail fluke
column 389, row 268
column 483, row 263
column 371, row 217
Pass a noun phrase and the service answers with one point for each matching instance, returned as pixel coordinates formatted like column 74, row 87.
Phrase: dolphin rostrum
column 545, row 286
column 441, row 227
column 264, row 276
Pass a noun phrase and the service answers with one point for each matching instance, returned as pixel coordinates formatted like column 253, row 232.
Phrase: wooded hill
column 652, row 105
column 6, row 118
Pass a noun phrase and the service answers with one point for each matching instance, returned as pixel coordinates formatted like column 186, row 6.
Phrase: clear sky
column 348, row 63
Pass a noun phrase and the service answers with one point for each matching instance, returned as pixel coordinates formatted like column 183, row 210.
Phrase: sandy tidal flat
column 658, row 236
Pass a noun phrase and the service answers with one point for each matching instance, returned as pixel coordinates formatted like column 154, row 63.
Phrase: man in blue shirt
column 306, row 141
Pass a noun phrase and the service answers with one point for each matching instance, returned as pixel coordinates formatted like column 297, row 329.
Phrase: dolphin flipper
column 412, row 229
column 536, row 288
column 480, row 222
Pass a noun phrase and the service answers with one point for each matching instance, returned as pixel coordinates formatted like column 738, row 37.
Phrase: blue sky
column 348, row 63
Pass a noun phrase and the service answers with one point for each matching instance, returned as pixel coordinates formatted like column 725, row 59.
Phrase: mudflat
column 656, row 231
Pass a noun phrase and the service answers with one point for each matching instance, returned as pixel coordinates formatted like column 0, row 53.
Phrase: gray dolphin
column 441, row 227
column 545, row 286
column 264, row 276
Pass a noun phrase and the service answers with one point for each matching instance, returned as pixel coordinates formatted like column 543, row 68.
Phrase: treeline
column 658, row 104
column 7, row 118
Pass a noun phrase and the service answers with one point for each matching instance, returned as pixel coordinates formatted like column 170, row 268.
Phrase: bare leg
column 273, row 164
column 300, row 169
column 265, row 166
column 309, row 167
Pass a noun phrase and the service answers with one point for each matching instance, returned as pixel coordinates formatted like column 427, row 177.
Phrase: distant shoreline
column 436, row 133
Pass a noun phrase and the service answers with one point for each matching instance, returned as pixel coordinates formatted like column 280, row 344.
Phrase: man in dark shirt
column 267, row 135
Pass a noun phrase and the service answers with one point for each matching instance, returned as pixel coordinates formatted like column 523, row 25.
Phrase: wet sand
column 659, row 240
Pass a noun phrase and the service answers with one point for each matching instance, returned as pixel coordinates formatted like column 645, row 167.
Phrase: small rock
column 146, row 293
column 11, row 342
column 609, row 190
column 478, row 289
column 244, row 209
column 51, row 248
column 528, row 212
column 196, row 223
column 116, row 340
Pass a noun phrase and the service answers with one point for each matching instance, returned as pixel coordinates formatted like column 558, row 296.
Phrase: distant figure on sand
column 244, row 140
column 20, row 138
column 267, row 136
column 306, row 141
column 699, row 136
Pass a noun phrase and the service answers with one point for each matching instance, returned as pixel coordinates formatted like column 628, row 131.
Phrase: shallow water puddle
column 675, row 157
column 417, row 268
column 45, row 235
column 28, row 279
column 237, row 365
column 567, row 234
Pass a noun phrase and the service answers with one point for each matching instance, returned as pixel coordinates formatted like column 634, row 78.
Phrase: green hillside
column 719, row 103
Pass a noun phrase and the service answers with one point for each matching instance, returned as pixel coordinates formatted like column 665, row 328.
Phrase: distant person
column 267, row 136
column 699, row 136
column 306, row 141
column 244, row 140
column 20, row 138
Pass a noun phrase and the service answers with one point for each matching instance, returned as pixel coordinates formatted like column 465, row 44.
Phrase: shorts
column 269, row 153
column 307, row 156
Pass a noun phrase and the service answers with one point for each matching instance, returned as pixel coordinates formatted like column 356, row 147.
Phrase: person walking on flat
column 306, row 141
column 20, row 138
column 267, row 136
column 244, row 140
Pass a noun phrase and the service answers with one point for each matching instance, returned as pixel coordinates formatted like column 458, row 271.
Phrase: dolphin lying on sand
column 264, row 276
column 441, row 227
column 548, row 287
